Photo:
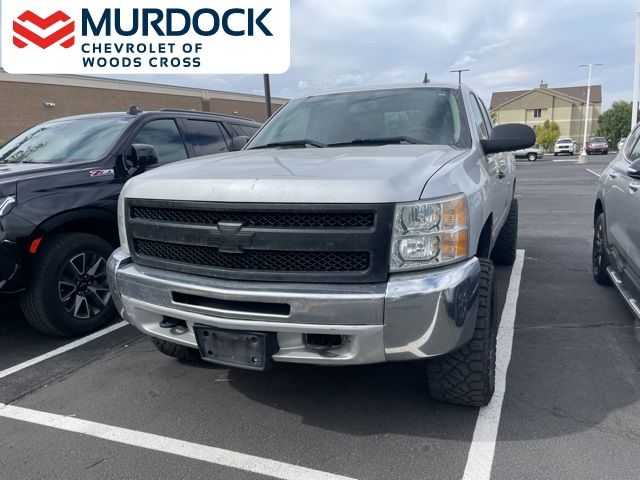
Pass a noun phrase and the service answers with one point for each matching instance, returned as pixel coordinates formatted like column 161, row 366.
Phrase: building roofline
column 132, row 86
column 547, row 90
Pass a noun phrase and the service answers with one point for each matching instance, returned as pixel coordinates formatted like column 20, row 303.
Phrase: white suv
column 564, row 145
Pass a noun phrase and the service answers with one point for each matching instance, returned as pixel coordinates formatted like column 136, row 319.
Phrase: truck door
column 496, row 167
column 622, row 210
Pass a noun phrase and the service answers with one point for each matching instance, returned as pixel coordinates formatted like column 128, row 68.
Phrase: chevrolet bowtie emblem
column 229, row 239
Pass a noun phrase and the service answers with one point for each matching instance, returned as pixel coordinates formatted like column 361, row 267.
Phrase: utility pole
column 459, row 72
column 267, row 94
column 636, row 71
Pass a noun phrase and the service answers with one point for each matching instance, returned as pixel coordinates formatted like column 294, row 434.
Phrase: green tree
column 547, row 134
column 615, row 123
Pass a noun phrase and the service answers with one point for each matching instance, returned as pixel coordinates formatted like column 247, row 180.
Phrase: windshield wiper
column 293, row 143
column 379, row 141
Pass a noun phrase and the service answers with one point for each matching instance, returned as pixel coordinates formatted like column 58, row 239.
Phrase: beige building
column 26, row 100
column 564, row 105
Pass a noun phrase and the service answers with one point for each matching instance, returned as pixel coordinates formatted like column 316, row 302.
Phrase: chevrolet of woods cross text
column 355, row 227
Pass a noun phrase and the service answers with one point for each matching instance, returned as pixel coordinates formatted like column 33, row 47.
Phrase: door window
column 631, row 147
column 245, row 130
column 207, row 137
column 479, row 119
column 165, row 136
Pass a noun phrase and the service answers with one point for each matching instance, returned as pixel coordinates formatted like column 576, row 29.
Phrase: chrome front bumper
column 412, row 316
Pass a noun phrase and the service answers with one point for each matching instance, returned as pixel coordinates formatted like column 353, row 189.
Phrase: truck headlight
column 6, row 205
column 122, row 228
column 430, row 233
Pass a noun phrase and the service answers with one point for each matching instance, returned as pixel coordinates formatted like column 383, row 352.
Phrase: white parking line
column 149, row 441
column 64, row 348
column 595, row 173
column 483, row 445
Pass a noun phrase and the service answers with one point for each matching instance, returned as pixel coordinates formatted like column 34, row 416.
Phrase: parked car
column 354, row 228
column 621, row 143
column 532, row 154
column 59, row 186
column 597, row 145
column 616, row 258
column 564, row 145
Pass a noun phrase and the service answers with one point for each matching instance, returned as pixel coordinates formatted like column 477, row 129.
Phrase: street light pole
column 267, row 94
column 459, row 72
column 636, row 71
column 588, row 104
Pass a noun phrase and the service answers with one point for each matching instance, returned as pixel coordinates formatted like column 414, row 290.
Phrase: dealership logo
column 30, row 28
column 145, row 36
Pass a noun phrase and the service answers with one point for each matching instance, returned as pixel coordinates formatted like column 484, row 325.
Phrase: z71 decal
column 101, row 173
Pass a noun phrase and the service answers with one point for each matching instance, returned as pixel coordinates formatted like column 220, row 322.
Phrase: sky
column 507, row 45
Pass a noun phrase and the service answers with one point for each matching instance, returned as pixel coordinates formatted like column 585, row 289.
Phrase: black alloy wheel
column 82, row 285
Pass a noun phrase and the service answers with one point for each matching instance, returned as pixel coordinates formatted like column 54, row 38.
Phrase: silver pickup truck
column 355, row 227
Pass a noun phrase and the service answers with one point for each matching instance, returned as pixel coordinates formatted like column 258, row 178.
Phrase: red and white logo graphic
column 30, row 28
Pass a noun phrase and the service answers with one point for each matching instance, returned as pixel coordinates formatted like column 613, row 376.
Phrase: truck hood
column 377, row 174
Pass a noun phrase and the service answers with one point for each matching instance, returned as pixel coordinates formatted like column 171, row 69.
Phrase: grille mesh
column 256, row 219
column 256, row 260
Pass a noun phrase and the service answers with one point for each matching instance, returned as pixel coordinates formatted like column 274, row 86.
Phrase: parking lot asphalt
column 571, row 409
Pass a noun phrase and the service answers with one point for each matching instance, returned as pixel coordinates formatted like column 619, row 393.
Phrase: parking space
column 571, row 407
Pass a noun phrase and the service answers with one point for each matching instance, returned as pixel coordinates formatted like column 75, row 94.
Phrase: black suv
column 59, row 187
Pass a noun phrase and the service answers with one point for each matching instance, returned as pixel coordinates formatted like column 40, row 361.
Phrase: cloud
column 506, row 44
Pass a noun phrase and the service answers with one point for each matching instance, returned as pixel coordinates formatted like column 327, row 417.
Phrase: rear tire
column 467, row 375
column 504, row 251
column 68, row 293
column 174, row 350
column 532, row 157
column 600, row 260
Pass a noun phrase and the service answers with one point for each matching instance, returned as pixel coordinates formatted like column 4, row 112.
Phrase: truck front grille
column 200, row 216
column 263, row 242
column 267, row 261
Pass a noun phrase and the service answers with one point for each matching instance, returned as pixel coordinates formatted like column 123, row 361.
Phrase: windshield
column 432, row 116
column 65, row 141
column 598, row 140
column 566, row 140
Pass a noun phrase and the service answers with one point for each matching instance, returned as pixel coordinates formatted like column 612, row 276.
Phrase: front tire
column 504, row 251
column 68, row 294
column 600, row 260
column 532, row 157
column 467, row 375
column 174, row 350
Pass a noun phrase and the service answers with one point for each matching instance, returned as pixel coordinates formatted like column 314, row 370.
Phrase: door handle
column 634, row 186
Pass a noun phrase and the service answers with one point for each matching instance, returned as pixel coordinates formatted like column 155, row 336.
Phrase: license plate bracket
column 234, row 348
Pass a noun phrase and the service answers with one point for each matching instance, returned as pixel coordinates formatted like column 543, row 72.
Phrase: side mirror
column 238, row 143
column 141, row 156
column 509, row 137
column 634, row 170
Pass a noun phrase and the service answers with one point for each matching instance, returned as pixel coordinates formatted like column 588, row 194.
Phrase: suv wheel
column 532, row 157
column 174, row 350
column 504, row 251
column 600, row 259
column 467, row 375
column 68, row 294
